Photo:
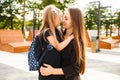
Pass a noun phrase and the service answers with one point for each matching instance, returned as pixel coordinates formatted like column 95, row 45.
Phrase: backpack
column 35, row 47
column 36, row 53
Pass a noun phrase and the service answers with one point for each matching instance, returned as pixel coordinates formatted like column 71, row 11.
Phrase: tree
column 8, row 14
column 38, row 7
column 117, row 21
column 91, row 16
column 107, row 20
column 9, row 11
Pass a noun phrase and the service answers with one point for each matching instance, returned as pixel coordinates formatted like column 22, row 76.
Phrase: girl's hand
column 71, row 36
column 47, row 70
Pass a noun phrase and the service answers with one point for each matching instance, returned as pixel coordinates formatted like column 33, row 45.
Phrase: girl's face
column 58, row 19
column 67, row 20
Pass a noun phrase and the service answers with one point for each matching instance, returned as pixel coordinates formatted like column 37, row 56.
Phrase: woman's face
column 67, row 20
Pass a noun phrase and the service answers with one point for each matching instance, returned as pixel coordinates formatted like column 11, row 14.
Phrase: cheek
column 57, row 22
column 65, row 24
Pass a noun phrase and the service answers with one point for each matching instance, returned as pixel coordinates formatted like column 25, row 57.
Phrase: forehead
column 67, row 14
column 59, row 13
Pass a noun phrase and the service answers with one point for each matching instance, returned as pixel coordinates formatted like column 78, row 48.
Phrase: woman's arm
column 49, row 70
column 59, row 46
column 69, row 70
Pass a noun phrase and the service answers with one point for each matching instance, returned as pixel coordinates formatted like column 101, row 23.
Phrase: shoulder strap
column 44, row 35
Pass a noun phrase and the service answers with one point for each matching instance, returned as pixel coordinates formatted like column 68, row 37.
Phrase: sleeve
column 46, row 33
column 73, row 68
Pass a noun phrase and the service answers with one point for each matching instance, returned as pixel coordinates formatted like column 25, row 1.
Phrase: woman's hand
column 47, row 70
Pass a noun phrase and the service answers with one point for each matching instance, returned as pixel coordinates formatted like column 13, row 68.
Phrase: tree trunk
column 23, row 26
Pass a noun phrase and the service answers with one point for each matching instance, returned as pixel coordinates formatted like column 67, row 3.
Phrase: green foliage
column 29, row 24
column 38, row 6
column 117, row 21
column 91, row 16
column 9, row 11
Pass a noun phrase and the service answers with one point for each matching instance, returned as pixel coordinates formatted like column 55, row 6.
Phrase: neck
column 68, row 32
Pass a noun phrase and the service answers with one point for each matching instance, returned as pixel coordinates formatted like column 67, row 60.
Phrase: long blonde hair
column 79, row 36
column 49, row 17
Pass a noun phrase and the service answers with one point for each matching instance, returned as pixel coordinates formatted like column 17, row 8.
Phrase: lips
column 64, row 24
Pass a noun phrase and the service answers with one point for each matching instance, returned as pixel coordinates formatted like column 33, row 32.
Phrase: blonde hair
column 49, row 17
column 79, row 36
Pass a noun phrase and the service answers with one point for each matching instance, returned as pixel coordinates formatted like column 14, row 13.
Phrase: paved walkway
column 104, row 65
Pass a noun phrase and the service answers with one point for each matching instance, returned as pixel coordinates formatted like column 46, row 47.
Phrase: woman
column 50, row 33
column 73, row 55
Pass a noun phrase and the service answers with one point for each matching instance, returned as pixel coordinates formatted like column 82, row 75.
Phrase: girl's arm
column 59, row 46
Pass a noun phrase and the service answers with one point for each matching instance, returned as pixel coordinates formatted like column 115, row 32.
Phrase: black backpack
column 36, row 53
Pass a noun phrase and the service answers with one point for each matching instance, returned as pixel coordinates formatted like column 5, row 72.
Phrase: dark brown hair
column 77, row 21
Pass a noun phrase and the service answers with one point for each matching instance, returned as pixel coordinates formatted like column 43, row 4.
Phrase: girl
column 51, row 20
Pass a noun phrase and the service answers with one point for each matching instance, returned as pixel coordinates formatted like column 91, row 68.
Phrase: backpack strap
column 44, row 35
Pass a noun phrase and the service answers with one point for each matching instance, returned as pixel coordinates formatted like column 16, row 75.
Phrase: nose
column 61, row 18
